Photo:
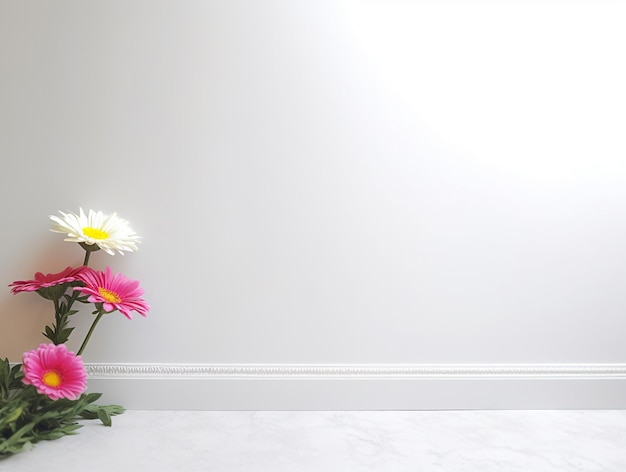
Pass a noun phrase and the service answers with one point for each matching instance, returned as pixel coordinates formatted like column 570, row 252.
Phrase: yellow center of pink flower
column 109, row 295
column 95, row 233
column 51, row 379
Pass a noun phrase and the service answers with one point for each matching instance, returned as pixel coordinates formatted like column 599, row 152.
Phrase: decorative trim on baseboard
column 156, row 386
column 355, row 371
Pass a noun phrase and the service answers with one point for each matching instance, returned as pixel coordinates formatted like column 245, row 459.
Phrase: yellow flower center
column 51, row 379
column 109, row 295
column 95, row 233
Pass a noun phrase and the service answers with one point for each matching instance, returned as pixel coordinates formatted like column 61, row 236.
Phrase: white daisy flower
column 108, row 232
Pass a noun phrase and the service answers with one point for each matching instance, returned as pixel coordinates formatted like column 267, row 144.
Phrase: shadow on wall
column 24, row 316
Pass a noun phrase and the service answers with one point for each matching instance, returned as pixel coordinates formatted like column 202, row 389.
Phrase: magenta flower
column 54, row 371
column 113, row 292
column 42, row 281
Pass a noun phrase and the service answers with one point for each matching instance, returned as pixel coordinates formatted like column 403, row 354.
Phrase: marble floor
column 395, row 441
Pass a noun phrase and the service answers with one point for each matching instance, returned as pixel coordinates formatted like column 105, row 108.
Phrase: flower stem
column 90, row 332
column 89, row 248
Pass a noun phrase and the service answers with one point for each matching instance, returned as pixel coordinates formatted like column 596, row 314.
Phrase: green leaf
column 14, row 449
column 17, row 435
column 114, row 410
column 4, row 369
column 15, row 378
column 64, row 335
column 49, row 333
column 91, row 412
column 104, row 416
column 92, row 397
column 5, row 377
column 13, row 416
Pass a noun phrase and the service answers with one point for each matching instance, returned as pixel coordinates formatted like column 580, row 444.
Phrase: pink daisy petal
column 115, row 292
column 54, row 371
column 42, row 281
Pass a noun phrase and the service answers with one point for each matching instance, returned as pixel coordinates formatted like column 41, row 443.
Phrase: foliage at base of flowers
column 44, row 397
column 27, row 417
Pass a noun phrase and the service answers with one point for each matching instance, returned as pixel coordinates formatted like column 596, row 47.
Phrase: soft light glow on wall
column 529, row 88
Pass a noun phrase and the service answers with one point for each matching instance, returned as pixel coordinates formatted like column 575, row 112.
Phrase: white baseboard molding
column 360, row 387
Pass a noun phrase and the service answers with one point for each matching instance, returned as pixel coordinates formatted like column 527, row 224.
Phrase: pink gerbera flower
column 46, row 280
column 113, row 292
column 54, row 371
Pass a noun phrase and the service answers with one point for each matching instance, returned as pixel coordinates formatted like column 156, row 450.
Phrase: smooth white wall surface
column 325, row 182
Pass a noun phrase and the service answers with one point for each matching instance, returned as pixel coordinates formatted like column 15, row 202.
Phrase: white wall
column 325, row 183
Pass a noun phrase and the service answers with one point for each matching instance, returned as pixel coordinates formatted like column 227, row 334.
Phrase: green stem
column 89, row 248
column 86, row 260
column 57, row 308
column 90, row 332
column 58, row 321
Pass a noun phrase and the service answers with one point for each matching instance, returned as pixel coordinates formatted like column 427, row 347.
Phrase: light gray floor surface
column 343, row 441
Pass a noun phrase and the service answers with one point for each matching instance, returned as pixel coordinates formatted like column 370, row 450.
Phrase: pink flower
column 114, row 292
column 54, row 371
column 45, row 281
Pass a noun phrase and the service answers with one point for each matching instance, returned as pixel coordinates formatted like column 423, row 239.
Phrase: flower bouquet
column 43, row 397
